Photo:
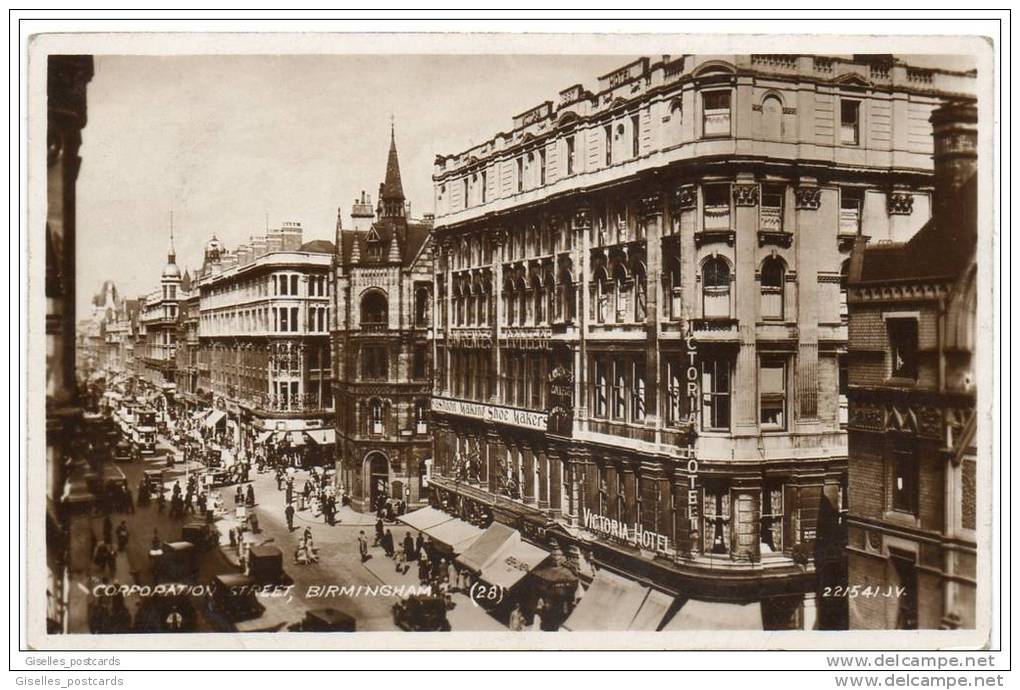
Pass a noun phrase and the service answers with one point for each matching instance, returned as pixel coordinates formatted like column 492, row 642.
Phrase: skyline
column 233, row 143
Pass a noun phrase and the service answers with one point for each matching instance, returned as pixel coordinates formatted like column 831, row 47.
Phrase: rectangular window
column 283, row 320
column 570, row 155
column 541, row 166
column 716, row 113
column 771, row 214
column 717, row 206
column 849, row 121
column 715, row 395
column 520, row 174
column 619, row 391
column 465, row 192
column 903, row 347
column 421, row 417
column 851, row 202
column 601, row 389
column 294, row 285
column 294, row 319
column 635, row 136
column 283, row 284
column 905, row 477
column 772, row 394
column 637, row 393
column 844, row 389
column 485, row 177
column 608, row 133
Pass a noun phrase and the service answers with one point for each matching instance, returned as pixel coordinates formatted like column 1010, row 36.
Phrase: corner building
column 381, row 351
column 640, row 332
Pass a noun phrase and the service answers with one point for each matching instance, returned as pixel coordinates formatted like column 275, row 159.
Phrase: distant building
column 263, row 357
column 913, row 464
column 158, row 356
column 381, row 352
column 640, row 332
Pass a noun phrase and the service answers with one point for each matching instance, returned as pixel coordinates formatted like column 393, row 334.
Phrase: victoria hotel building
column 640, row 322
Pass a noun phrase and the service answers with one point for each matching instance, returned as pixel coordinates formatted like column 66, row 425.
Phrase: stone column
column 581, row 229
column 651, row 211
column 744, row 384
column 807, row 199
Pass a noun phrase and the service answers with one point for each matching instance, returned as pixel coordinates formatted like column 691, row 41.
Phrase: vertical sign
column 693, row 402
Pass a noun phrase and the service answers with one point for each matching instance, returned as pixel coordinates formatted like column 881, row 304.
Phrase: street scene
column 646, row 343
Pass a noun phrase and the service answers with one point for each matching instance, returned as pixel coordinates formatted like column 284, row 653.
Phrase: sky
column 226, row 142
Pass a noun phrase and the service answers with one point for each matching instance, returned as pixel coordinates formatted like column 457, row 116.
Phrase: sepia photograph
column 532, row 347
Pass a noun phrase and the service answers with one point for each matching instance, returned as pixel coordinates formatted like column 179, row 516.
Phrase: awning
column 261, row 438
column 323, row 437
column 487, row 547
column 515, row 560
column 457, row 534
column 611, row 603
column 297, row 438
column 716, row 615
column 653, row 610
column 214, row 418
column 423, row 518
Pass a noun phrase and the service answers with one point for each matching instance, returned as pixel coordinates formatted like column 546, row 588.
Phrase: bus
column 144, row 432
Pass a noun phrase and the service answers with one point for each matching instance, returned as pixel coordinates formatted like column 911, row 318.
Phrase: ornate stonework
column 651, row 205
column 808, row 198
column 745, row 194
column 899, row 203
column 685, row 197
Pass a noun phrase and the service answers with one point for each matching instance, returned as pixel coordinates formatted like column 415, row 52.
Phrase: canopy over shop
column 613, row 602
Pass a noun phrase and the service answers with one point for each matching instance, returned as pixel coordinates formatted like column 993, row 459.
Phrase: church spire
column 391, row 195
column 171, row 252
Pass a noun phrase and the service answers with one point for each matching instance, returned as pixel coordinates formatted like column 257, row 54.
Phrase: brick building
column 640, row 332
column 912, row 466
column 381, row 353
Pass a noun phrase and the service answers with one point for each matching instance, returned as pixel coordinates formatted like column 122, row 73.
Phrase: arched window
column 421, row 306
column 538, row 297
column 566, row 305
column 676, row 118
column 715, row 286
column 599, row 297
column 469, row 297
column 773, row 275
column 509, row 301
column 374, row 309
column 640, row 293
column 623, row 287
column 523, row 316
column 549, row 292
column 772, row 118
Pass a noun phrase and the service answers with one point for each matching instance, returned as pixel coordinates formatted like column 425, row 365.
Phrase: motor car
column 421, row 614
column 124, row 452
column 325, row 620
column 200, row 533
column 233, row 598
column 177, row 563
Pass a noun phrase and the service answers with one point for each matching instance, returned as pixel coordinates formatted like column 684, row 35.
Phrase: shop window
column 903, row 347
column 716, row 113
column 715, row 286
column 905, row 567
column 849, row 121
column 715, row 395
column 772, row 392
column 772, row 518
column 773, row 279
column 906, row 476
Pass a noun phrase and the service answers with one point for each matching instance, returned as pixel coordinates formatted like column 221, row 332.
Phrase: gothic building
column 381, row 353
column 913, row 418
column 640, row 334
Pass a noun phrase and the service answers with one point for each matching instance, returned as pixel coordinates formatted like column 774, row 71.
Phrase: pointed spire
column 171, row 252
column 392, row 190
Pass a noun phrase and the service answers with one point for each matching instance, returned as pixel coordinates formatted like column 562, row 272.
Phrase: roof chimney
column 954, row 127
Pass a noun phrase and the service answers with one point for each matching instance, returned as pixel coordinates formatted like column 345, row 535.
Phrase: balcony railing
column 374, row 326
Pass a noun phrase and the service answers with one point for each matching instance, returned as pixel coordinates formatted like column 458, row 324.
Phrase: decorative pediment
column 853, row 81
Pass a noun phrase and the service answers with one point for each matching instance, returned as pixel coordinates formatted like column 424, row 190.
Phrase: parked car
column 124, row 452
column 177, row 563
column 421, row 614
column 200, row 533
column 325, row 620
column 232, row 598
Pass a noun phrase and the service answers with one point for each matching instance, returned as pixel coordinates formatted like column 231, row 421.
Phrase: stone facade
column 640, row 316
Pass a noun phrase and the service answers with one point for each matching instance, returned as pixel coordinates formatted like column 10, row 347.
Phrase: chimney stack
column 954, row 126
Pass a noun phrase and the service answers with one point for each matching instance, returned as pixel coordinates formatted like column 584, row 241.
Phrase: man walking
column 289, row 512
column 122, row 536
column 362, row 546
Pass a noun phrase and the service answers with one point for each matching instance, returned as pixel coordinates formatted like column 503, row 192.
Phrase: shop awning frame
column 214, row 418
column 424, row 518
column 456, row 534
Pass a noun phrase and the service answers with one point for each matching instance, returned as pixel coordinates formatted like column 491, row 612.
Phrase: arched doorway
column 377, row 475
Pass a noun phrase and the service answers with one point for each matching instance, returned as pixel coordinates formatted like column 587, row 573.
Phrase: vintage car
column 169, row 609
column 124, row 452
column 177, row 563
column 266, row 564
column 421, row 614
column 233, row 598
column 200, row 533
column 325, row 620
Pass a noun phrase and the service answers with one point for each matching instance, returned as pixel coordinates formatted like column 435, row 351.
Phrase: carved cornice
column 684, row 198
column 899, row 292
column 582, row 218
column 651, row 205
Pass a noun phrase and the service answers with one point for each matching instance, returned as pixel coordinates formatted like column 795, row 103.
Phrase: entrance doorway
column 378, row 476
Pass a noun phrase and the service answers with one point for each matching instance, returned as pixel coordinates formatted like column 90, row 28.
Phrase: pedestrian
column 378, row 532
column 444, row 571
column 363, row 546
column 122, row 536
column 516, row 619
column 279, row 480
column 160, row 498
column 189, row 499
column 251, row 496
column 423, row 568
column 409, row 552
column 388, row 543
column 177, row 487
column 107, row 529
column 290, row 492
column 157, row 543
column 289, row 512
column 239, row 496
column 419, row 543
column 101, row 556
